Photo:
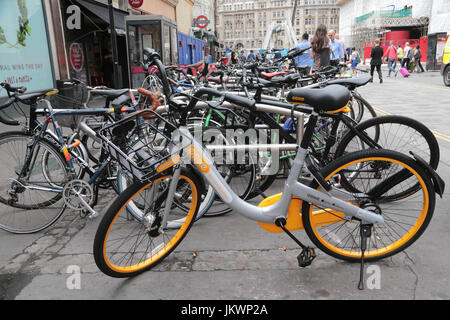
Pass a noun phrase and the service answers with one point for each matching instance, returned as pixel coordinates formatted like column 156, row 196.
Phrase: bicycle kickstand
column 365, row 232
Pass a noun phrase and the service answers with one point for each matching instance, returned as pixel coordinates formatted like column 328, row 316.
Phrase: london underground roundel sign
column 202, row 22
column 136, row 3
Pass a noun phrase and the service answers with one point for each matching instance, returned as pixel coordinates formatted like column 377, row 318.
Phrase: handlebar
column 292, row 54
column 10, row 89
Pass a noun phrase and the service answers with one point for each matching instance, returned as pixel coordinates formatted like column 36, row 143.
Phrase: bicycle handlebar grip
column 10, row 88
column 155, row 103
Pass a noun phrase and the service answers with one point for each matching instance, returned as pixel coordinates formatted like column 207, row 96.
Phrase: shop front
column 150, row 31
column 88, row 42
column 25, row 53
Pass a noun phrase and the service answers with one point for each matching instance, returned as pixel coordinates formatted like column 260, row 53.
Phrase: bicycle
column 125, row 247
column 40, row 176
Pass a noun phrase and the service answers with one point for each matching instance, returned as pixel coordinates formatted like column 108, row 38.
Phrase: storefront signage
column 136, row 3
column 74, row 19
column 76, row 56
column 24, row 51
column 201, row 22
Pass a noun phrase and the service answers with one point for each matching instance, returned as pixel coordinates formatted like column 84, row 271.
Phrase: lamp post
column 113, row 45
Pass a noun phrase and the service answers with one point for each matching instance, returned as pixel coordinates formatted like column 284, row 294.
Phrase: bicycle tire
column 331, row 238
column 22, row 211
column 414, row 133
column 146, row 260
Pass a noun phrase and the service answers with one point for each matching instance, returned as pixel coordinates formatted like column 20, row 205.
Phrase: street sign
column 201, row 22
column 76, row 56
column 136, row 3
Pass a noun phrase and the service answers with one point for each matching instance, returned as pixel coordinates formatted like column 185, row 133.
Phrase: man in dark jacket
column 377, row 59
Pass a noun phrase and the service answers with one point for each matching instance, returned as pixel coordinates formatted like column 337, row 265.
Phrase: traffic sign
column 201, row 22
column 136, row 3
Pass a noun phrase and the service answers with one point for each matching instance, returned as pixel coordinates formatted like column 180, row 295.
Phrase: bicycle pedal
column 306, row 257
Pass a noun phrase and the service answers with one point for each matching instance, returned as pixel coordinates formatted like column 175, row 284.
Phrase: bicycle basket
column 70, row 96
column 141, row 155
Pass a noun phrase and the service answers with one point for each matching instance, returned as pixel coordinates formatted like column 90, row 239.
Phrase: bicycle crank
column 78, row 195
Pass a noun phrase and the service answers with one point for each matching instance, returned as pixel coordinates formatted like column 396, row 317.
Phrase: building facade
column 365, row 20
column 72, row 39
column 244, row 24
column 423, row 23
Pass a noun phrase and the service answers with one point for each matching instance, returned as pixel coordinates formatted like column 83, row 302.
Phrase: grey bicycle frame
column 203, row 160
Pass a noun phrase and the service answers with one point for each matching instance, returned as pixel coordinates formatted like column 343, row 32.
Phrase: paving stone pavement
column 230, row 257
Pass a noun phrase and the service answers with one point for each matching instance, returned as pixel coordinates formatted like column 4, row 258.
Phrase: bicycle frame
column 201, row 158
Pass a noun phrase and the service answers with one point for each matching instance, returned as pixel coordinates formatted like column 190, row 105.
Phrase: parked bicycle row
column 198, row 141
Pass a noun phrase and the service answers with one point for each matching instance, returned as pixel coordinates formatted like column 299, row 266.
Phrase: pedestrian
column 208, row 58
column 242, row 57
column 355, row 59
column 320, row 48
column 251, row 57
column 408, row 54
column 377, row 59
column 417, row 57
column 234, row 58
column 400, row 55
column 391, row 55
column 343, row 47
column 337, row 47
column 304, row 60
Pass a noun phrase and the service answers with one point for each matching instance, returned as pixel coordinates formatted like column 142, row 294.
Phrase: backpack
column 358, row 58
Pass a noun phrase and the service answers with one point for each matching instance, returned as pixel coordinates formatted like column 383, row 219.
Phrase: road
column 231, row 258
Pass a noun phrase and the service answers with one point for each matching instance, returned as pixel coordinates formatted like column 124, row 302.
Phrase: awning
column 102, row 12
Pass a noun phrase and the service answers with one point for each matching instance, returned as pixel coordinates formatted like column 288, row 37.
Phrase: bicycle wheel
column 397, row 133
column 124, row 246
column 380, row 174
column 362, row 109
column 35, row 200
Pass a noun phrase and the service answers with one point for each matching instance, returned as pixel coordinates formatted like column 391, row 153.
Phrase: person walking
column 304, row 60
column 377, row 59
column 391, row 55
column 417, row 57
column 407, row 55
column 320, row 48
column 400, row 55
column 355, row 59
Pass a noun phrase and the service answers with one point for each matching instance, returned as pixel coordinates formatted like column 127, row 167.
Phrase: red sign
column 202, row 22
column 76, row 56
column 136, row 3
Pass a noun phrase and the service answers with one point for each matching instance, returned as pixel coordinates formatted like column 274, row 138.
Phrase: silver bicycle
column 381, row 210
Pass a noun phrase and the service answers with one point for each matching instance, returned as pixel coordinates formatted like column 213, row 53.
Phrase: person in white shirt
column 407, row 56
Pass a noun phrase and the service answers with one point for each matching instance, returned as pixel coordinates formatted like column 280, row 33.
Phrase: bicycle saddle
column 352, row 82
column 329, row 99
column 109, row 93
column 31, row 97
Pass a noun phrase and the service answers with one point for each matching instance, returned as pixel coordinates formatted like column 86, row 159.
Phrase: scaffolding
column 375, row 24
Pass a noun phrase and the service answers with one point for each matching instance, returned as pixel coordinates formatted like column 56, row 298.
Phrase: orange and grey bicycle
column 351, row 209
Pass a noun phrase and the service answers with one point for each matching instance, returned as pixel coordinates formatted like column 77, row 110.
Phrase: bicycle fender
column 438, row 183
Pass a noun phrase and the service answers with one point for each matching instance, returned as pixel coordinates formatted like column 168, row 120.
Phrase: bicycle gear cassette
column 78, row 194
